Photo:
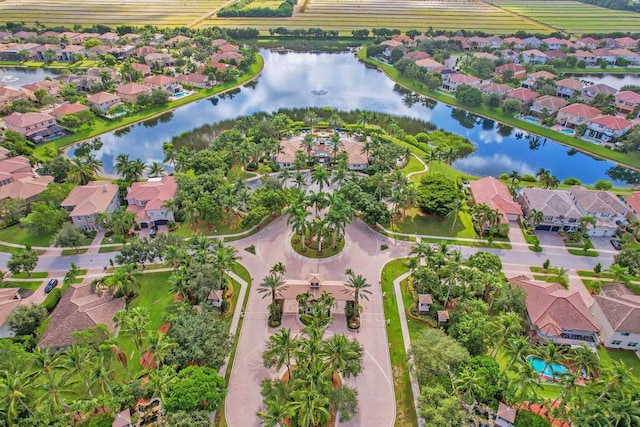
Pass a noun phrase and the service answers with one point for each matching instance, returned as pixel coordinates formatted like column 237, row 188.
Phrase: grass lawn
column 629, row 358
column 311, row 250
column 405, row 410
column 23, row 236
column 34, row 275
column 109, row 249
column 31, row 285
column 68, row 252
column 229, row 225
column 415, row 222
column 413, row 165
column 582, row 252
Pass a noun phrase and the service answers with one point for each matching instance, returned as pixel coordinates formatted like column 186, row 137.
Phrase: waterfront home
column 632, row 57
column 85, row 202
column 533, row 79
column 51, row 87
column 417, row 55
column 47, row 52
column 534, row 56
column 608, row 128
column 103, row 101
column 617, row 311
column 574, row 115
column 627, row 101
column 195, row 79
column 146, row 200
column 36, row 127
column 586, row 56
column 556, row 314
column 322, row 152
column 431, row 65
column 495, row 194
column 547, row 105
column 129, row 92
column 524, row 95
column 517, row 71
column 162, row 82
column 559, row 212
column 499, row 89
column 80, row 308
column 590, row 92
column 9, row 95
column 605, row 55
column 632, row 203
column 72, row 52
column 450, row 82
column 569, row 87
column 17, row 51
column 66, row 109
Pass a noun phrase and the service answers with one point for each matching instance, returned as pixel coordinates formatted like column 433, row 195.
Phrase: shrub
column 528, row 178
column 52, row 299
column 572, row 181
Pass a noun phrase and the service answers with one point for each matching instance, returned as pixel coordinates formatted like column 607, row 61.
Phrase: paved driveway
column 362, row 254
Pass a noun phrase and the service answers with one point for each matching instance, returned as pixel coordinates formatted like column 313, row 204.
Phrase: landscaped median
column 631, row 160
column 43, row 152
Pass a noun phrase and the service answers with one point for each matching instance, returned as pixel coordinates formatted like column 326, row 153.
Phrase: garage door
column 543, row 227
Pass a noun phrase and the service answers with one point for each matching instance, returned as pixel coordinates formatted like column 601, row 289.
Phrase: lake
column 340, row 81
column 16, row 77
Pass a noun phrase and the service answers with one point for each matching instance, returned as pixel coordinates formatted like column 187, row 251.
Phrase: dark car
column 616, row 244
column 153, row 232
column 52, row 284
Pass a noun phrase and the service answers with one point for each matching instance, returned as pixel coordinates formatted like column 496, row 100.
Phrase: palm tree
column 468, row 382
column 585, row 221
column 343, row 355
column 514, row 176
column 101, row 374
column 319, row 228
column 300, row 180
column 280, row 350
column 76, row 360
column 550, row 354
column 224, row 257
column 83, row 169
column 535, row 218
column 311, row 118
column 517, row 348
column 357, row 286
column 506, row 325
column 122, row 164
column 298, row 220
column 134, row 323
column 278, row 268
column 277, row 413
column 318, row 200
column 585, row 360
column 170, row 153
column 321, row 177
column 527, row 384
column 308, row 143
column 46, row 362
column 54, row 388
column 619, row 273
column 272, row 285
column 123, row 280
column 158, row 346
column 456, row 206
column 15, row 389
column 310, row 406
column 156, row 170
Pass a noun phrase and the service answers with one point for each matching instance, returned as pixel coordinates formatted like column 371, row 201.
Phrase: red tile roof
column 581, row 110
column 496, row 195
column 65, row 109
column 523, row 94
column 612, row 122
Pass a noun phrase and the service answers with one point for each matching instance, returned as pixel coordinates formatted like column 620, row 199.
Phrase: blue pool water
column 531, row 119
column 569, row 131
column 592, row 140
column 180, row 95
column 551, row 370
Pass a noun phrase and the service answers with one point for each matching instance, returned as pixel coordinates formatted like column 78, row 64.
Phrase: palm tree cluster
column 486, row 220
column 272, row 286
column 546, row 179
column 119, row 222
column 311, row 389
column 134, row 170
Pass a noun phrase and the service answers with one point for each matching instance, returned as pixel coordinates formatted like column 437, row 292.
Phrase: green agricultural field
column 572, row 16
column 169, row 13
column 345, row 16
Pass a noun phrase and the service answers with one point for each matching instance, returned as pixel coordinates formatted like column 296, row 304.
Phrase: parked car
column 616, row 244
column 50, row 285
column 154, row 231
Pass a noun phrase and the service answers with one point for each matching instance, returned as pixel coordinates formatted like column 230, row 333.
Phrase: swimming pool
column 589, row 139
column 569, row 131
column 550, row 370
column 180, row 95
column 531, row 119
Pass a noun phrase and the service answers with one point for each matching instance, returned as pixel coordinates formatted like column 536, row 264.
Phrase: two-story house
column 604, row 206
column 165, row 83
column 51, row 87
column 67, row 109
column 9, row 95
column 559, row 212
column 146, row 200
column 626, row 102
column 534, row 56
column 103, row 101
column 569, row 87
column 608, row 128
column 450, row 82
column 547, row 105
column 85, row 202
column 36, row 127
column 129, row 92
column 576, row 114
column 617, row 311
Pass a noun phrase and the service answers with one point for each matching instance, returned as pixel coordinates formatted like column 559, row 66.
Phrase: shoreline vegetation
column 43, row 151
column 630, row 160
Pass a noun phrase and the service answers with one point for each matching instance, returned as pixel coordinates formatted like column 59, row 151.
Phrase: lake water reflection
column 294, row 80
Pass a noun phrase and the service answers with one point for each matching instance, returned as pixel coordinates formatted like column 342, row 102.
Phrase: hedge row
column 239, row 9
column 52, row 299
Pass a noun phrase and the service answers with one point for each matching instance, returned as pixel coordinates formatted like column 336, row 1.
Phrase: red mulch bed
column 542, row 411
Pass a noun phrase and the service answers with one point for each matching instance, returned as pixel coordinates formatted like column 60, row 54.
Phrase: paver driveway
column 363, row 255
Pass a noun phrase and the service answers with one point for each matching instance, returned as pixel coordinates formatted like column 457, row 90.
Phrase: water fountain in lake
column 8, row 78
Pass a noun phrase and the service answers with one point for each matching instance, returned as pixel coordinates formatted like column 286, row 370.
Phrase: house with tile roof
column 9, row 95
column 632, row 57
column 506, row 415
column 626, row 42
column 143, row 68
column 584, row 55
column 12, row 168
column 589, row 92
column 103, row 101
column 557, row 206
column 36, row 127
column 26, row 188
column 534, row 80
column 554, row 43
column 547, row 105
column 80, row 308
column 162, row 82
column 608, row 128
column 9, row 300
column 605, row 206
column 495, row 194
column 632, row 202
column 574, row 115
column 617, row 311
column 417, row 55
column 159, row 60
column 322, row 152
column 51, row 87
column 129, row 92
column 524, row 95
column 431, row 65
column 67, row 109
column 85, row 202
column 195, row 80
column 627, row 102
column 534, row 56
column 517, row 70
column 146, row 200
column 497, row 88
column 450, row 82
column 557, row 314
column 569, row 87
